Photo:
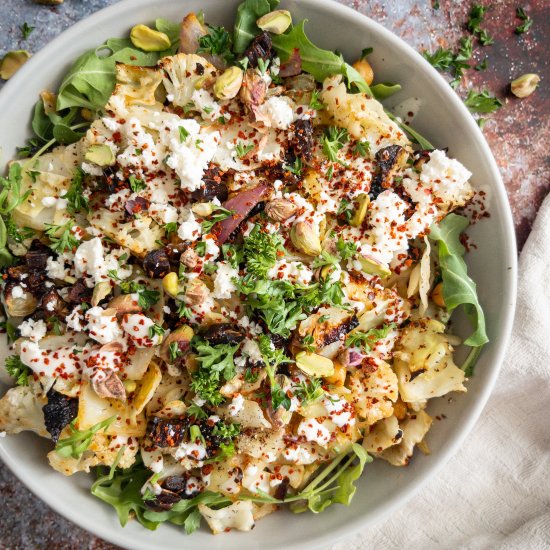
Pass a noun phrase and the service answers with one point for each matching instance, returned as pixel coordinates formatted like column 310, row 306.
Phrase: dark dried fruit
column 37, row 259
column 176, row 484
column 282, row 489
column 157, row 264
column 53, row 305
column 338, row 332
column 224, row 333
column 59, row 412
column 174, row 252
column 388, row 160
column 260, row 48
column 79, row 293
column 167, row 432
column 213, row 187
column 302, row 141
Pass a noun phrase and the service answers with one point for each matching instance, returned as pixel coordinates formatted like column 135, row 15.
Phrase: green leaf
column 470, row 362
column 316, row 61
column 384, row 90
column 482, row 102
column 91, row 80
column 412, row 133
column 346, row 489
column 245, row 24
column 172, row 31
column 17, row 370
column 79, row 440
column 458, row 287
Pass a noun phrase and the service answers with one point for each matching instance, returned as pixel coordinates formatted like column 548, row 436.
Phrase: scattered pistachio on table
column 525, row 85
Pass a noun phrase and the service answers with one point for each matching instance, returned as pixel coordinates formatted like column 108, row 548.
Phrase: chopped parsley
column 362, row 148
column 217, row 42
column 367, row 340
column 333, row 140
column 74, row 196
column 475, row 19
column 261, row 250
column 184, row 134
column 61, row 237
column 309, row 391
column 482, row 102
column 226, row 431
column 156, row 330
column 146, row 298
column 26, row 30
column 218, row 215
column 241, row 149
column 136, row 184
column 274, row 357
column 527, row 21
column 17, row 370
column 315, row 102
column 170, row 227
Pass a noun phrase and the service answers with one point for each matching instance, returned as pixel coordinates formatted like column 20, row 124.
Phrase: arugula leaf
column 470, row 362
column 316, row 61
column 458, row 287
column 121, row 488
column 10, row 195
column 345, row 487
column 91, row 80
column 245, row 24
column 79, row 440
column 17, row 370
column 482, row 102
column 383, row 90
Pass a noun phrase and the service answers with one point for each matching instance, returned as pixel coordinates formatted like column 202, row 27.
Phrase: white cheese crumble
column 296, row 272
column 278, row 111
column 223, row 281
column 237, row 404
column 190, row 229
column 339, row 410
column 314, row 431
column 103, row 325
column 35, row 330
column 251, row 349
column 138, row 327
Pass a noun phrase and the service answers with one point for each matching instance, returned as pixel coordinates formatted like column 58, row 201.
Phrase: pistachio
column 182, row 338
column 362, row 66
column 100, row 154
column 129, row 385
column 306, row 239
column 276, row 22
column 203, row 209
column 229, row 83
column 49, row 100
column 12, row 62
column 196, row 292
column 363, row 202
column 189, row 258
column 125, row 303
column 171, row 284
column 149, row 40
column 374, row 267
column 314, row 365
column 338, row 377
column 525, row 85
column 101, row 290
column 280, row 210
column 437, row 295
column 20, row 305
column 49, row 2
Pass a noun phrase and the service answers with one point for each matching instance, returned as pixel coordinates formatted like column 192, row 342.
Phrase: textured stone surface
column 518, row 135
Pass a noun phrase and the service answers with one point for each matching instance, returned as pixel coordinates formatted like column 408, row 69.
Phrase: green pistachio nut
column 363, row 202
column 314, row 364
column 276, row 22
column 100, row 154
column 149, row 40
column 306, row 239
column 525, row 85
column 372, row 266
column 229, row 83
column 12, row 62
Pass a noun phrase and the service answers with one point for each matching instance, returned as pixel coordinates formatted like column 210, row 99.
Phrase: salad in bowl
column 228, row 273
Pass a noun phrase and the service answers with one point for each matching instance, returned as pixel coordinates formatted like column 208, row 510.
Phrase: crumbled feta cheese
column 205, row 103
column 296, row 272
column 236, row 405
column 299, row 455
column 223, row 281
column 55, row 269
column 102, row 326
column 251, row 349
column 190, row 229
column 35, row 330
column 48, row 202
column 314, row 431
column 192, row 450
column 163, row 213
column 278, row 111
column 138, row 327
column 17, row 292
column 91, row 169
column 74, row 319
column 339, row 410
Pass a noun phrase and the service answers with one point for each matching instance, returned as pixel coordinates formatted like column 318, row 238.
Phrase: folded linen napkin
column 495, row 493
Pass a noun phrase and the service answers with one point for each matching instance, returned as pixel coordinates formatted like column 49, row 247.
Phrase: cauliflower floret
column 237, row 516
column 182, row 76
column 425, row 349
column 375, row 392
column 414, row 430
column 21, row 410
column 385, row 433
column 362, row 116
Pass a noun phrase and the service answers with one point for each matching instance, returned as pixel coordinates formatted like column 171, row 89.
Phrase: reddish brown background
column 518, row 134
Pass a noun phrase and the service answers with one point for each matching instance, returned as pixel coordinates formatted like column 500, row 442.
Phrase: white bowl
column 444, row 120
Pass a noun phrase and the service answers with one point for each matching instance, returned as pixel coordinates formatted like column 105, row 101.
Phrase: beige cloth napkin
column 495, row 493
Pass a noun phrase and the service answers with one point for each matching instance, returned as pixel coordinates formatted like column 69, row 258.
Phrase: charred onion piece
column 241, row 204
column 338, row 332
column 79, row 292
column 224, row 333
column 53, row 304
column 389, row 160
column 213, row 187
column 58, row 413
column 156, row 264
column 293, row 65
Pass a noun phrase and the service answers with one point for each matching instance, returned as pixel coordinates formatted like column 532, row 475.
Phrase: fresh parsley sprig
column 18, row 370
column 62, row 237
